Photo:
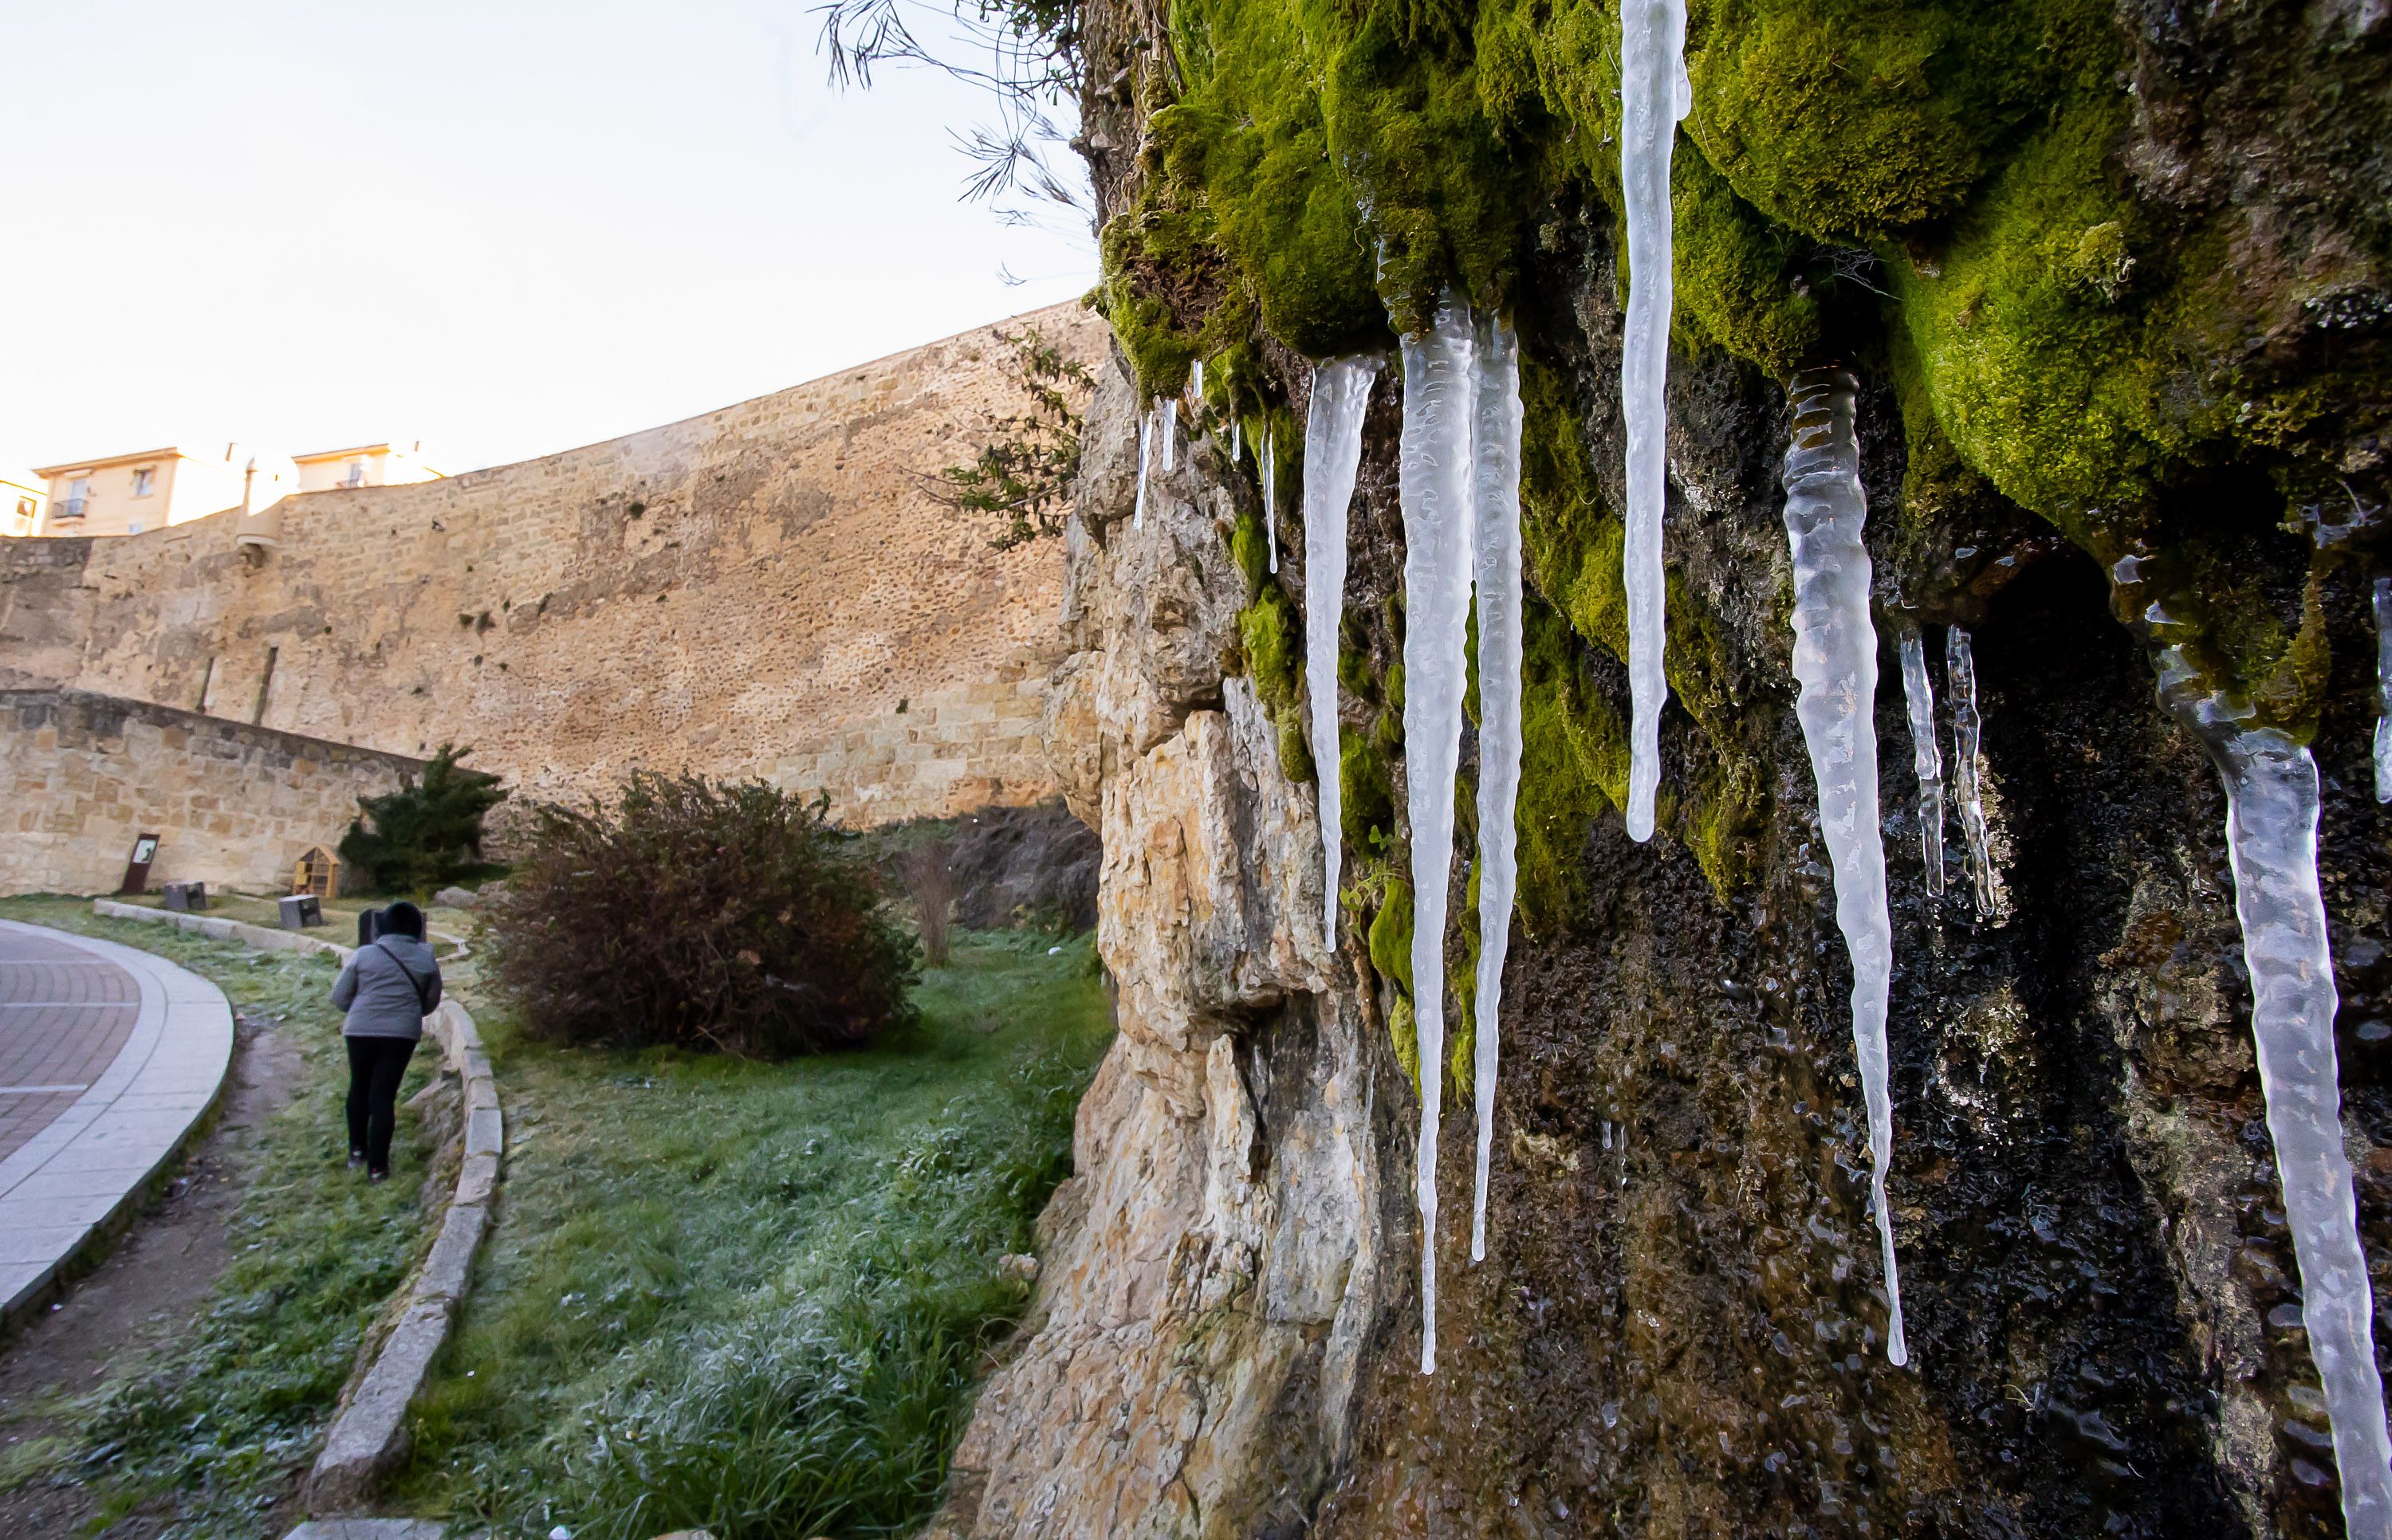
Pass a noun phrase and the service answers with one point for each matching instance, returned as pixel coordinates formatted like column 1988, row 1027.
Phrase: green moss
column 2038, row 377
column 1354, row 675
column 1739, row 278
column 1391, row 935
column 1390, row 941
column 1844, row 118
column 1366, row 798
column 1573, row 766
column 1403, row 1031
column 1270, row 636
column 1323, row 173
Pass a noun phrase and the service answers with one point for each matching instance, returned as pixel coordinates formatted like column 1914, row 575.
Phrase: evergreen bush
column 426, row 833
column 730, row 917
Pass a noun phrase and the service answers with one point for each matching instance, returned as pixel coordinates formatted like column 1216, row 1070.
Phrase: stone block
column 485, row 1133
column 449, row 1266
column 369, row 1435
column 477, row 1179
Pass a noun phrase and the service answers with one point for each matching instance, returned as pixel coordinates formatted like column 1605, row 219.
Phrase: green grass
column 755, row 1297
column 212, row 1429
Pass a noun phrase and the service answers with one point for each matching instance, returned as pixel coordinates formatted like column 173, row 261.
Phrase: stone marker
column 458, row 898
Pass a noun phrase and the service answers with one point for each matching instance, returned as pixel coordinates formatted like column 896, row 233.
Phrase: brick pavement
column 64, row 1016
column 109, row 1057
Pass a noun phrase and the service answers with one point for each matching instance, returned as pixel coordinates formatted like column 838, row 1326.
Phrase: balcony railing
column 67, row 508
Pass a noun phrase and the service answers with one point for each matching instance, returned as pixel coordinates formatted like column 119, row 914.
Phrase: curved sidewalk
column 108, row 1057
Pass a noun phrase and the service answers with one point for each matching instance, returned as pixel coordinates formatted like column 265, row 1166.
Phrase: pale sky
column 502, row 227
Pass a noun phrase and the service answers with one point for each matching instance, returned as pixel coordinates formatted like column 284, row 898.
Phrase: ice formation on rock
column 1196, row 383
column 1497, row 515
column 1435, row 476
column 2272, row 825
column 1969, row 764
column 1835, row 663
column 1332, row 454
column 1654, row 94
column 1918, row 697
column 1170, row 428
column 1271, row 493
column 1237, row 439
column 2384, row 689
column 1145, row 432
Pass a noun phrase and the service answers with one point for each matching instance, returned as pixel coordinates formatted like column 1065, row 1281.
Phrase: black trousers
column 376, row 1065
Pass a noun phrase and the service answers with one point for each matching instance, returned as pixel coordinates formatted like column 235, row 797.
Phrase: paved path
column 107, row 1055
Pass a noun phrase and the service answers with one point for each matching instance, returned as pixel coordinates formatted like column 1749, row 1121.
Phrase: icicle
column 1196, row 383
column 1919, row 695
column 1144, row 431
column 1497, row 537
column 1435, row 476
column 1333, row 453
column 1237, row 439
column 1652, row 98
column 2384, row 689
column 1270, row 492
column 1170, row 428
column 1835, row 662
column 1969, row 764
column 2272, row 824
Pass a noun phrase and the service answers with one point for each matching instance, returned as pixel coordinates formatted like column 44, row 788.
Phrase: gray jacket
column 380, row 998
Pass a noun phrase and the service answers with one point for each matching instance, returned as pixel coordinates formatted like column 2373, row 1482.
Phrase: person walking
column 387, row 990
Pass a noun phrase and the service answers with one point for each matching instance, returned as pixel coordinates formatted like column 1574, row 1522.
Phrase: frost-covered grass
column 210, row 1429
column 754, row 1298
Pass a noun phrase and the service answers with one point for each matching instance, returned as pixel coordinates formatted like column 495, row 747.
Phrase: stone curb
column 264, row 938
column 369, row 1435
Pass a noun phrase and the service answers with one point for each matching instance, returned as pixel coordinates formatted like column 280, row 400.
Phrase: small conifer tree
column 428, row 832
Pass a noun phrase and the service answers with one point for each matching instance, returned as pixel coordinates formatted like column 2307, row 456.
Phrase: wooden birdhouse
column 319, row 872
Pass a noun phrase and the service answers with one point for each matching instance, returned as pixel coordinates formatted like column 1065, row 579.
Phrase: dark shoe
column 377, row 1176
column 357, row 1159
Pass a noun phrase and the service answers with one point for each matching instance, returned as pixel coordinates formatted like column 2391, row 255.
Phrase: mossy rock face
column 1965, row 196
column 2106, row 376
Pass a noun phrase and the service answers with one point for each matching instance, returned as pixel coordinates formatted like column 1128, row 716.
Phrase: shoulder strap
column 423, row 989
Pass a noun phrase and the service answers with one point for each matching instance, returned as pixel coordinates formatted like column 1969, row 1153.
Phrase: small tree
column 1029, row 470
column 929, row 873
column 732, row 917
column 426, row 833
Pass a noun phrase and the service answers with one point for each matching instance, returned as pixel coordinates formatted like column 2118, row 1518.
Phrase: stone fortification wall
column 767, row 589
column 232, row 804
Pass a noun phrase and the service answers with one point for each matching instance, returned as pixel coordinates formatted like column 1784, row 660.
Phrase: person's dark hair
column 404, row 919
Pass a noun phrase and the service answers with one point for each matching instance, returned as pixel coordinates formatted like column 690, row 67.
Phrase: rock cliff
column 1678, row 1327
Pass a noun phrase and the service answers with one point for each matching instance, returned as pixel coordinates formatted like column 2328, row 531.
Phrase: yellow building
column 364, row 465
column 128, row 494
column 23, row 495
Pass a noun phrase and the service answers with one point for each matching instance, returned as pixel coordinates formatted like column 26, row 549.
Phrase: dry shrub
column 929, row 873
column 701, row 915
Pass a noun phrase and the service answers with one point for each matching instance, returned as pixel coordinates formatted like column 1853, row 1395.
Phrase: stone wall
column 232, row 804
column 768, row 590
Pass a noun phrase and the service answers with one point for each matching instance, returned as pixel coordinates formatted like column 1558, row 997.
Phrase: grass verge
column 754, row 1299
column 210, row 1431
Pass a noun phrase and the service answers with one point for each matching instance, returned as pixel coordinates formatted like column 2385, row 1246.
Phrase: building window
column 145, row 481
column 133, row 528
column 356, row 474
column 25, row 508
column 78, row 493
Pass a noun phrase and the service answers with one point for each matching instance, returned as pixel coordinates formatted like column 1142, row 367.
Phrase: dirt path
column 149, row 1287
